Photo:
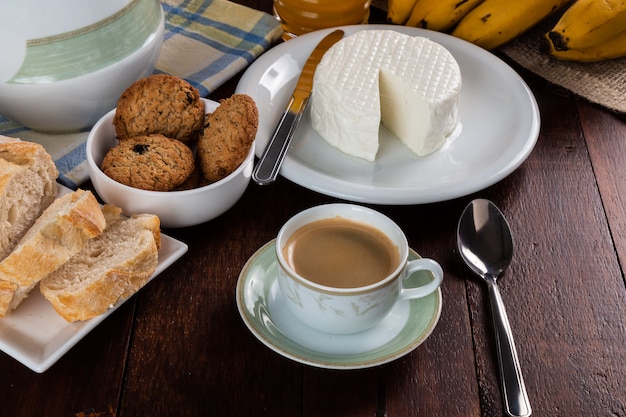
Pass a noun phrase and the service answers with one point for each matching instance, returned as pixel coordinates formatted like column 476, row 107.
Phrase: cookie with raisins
column 151, row 162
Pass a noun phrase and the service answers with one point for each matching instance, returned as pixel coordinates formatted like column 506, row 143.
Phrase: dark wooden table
column 180, row 348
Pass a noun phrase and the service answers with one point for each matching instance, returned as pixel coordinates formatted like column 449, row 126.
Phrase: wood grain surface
column 180, row 348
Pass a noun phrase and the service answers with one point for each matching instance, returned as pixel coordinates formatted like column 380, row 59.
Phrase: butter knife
column 274, row 153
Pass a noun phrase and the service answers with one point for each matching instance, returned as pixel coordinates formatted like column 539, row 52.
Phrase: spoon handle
column 513, row 388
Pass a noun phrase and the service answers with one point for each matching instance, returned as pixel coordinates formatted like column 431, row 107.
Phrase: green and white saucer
column 265, row 313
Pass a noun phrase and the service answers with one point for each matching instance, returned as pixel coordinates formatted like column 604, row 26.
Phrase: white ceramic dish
column 35, row 335
column 174, row 208
column 499, row 114
column 265, row 313
column 63, row 67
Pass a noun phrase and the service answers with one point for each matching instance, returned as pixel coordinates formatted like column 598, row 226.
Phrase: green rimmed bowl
column 65, row 63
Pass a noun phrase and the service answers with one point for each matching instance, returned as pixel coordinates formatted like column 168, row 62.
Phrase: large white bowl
column 65, row 63
column 174, row 208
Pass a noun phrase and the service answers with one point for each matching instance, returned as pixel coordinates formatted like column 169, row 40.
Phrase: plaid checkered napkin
column 206, row 42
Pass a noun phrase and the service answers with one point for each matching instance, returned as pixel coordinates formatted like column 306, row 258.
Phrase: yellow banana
column 440, row 15
column 495, row 22
column 613, row 48
column 398, row 11
column 588, row 22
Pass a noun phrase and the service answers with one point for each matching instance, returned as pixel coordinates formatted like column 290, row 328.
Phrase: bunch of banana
column 487, row 23
column 495, row 22
column 590, row 30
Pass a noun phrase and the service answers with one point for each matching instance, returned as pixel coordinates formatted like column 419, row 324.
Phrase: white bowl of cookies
column 166, row 151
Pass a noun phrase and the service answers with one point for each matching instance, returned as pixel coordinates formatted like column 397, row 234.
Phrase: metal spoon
column 485, row 243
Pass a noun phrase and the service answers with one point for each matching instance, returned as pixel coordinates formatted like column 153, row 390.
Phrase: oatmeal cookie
column 151, row 162
column 193, row 181
column 227, row 136
column 161, row 104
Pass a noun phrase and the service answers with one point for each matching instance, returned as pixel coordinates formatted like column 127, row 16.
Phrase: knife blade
column 274, row 153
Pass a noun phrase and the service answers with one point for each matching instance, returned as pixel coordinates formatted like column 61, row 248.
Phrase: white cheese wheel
column 411, row 84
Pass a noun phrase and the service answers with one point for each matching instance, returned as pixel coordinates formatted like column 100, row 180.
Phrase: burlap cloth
column 603, row 83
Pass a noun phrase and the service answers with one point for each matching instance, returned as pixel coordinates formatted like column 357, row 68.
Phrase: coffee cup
column 342, row 267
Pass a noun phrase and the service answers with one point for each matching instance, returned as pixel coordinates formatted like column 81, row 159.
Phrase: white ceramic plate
column 35, row 335
column 264, row 312
column 500, row 128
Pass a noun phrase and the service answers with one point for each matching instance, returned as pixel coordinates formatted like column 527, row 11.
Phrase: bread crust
column 27, row 187
column 8, row 292
column 101, row 275
column 60, row 232
column 97, row 297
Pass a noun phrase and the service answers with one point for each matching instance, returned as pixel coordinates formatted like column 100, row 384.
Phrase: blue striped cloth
column 206, row 42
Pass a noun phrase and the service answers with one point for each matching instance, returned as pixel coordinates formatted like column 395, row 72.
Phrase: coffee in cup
column 341, row 253
column 342, row 267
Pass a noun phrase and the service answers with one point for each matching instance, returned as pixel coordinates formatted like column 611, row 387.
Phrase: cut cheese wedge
column 410, row 84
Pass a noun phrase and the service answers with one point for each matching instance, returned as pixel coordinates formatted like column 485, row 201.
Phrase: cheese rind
column 409, row 83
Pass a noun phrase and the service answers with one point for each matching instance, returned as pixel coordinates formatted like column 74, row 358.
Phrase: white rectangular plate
column 35, row 335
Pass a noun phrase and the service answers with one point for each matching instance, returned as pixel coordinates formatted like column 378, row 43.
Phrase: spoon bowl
column 485, row 240
column 486, row 245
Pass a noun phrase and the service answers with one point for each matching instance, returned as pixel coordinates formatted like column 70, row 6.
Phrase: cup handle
column 422, row 264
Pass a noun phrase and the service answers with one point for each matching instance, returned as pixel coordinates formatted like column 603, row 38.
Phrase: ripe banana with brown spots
column 440, row 15
column 613, row 48
column 398, row 11
column 588, row 23
column 495, row 22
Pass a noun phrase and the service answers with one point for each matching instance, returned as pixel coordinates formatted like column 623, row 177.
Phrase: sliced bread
column 111, row 268
column 27, row 187
column 60, row 232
